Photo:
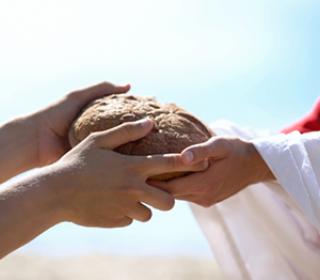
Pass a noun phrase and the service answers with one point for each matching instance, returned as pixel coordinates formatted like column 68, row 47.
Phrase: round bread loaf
column 174, row 128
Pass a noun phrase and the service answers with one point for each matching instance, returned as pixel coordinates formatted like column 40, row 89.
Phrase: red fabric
column 309, row 123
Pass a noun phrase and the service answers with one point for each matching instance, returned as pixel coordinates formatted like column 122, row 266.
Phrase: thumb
column 123, row 134
column 84, row 96
column 200, row 152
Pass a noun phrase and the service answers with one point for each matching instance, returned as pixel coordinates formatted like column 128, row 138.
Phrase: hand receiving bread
column 92, row 184
column 103, row 188
column 234, row 164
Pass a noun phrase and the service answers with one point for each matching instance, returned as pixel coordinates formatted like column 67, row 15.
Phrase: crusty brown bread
column 174, row 130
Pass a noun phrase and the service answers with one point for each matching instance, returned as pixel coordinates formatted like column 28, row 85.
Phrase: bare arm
column 41, row 138
column 17, row 148
column 91, row 186
column 27, row 209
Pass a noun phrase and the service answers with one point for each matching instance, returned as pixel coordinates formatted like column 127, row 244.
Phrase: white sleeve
column 295, row 161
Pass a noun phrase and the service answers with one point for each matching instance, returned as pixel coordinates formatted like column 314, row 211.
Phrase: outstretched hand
column 107, row 189
column 52, row 123
column 91, row 185
column 234, row 164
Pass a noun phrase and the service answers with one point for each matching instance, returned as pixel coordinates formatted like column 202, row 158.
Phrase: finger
column 199, row 200
column 170, row 163
column 214, row 147
column 156, row 198
column 140, row 213
column 189, row 198
column 122, row 134
column 99, row 90
column 179, row 187
column 193, row 198
column 123, row 222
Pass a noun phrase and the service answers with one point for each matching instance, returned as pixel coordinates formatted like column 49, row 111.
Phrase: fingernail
column 188, row 157
column 145, row 123
column 205, row 164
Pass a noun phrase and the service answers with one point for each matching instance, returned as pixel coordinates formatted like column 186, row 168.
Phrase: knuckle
column 127, row 222
column 94, row 137
column 107, row 85
column 168, row 204
column 173, row 162
column 104, row 84
column 73, row 95
column 147, row 216
column 206, row 151
column 202, row 149
column 206, row 203
column 222, row 143
column 123, row 222
column 201, row 152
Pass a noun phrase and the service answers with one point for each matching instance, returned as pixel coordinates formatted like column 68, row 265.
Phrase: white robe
column 270, row 230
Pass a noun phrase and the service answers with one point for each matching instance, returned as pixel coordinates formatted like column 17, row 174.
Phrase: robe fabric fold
column 269, row 230
column 294, row 159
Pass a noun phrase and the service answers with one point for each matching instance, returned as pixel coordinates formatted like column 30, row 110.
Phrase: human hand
column 52, row 123
column 102, row 188
column 234, row 164
column 91, row 185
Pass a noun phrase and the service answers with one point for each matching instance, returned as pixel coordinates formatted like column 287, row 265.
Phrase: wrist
column 18, row 147
column 28, row 127
column 29, row 207
column 37, row 196
column 61, row 188
column 259, row 170
column 55, row 193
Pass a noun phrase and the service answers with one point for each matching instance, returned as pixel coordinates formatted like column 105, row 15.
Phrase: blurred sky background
column 255, row 62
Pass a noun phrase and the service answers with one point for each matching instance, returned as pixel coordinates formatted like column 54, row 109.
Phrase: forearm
column 258, row 169
column 27, row 209
column 18, row 147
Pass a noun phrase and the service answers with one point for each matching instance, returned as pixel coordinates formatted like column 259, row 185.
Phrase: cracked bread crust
column 174, row 129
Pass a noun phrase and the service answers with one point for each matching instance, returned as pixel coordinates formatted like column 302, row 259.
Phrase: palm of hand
column 229, row 172
column 222, row 180
column 51, row 146
column 219, row 182
column 53, row 123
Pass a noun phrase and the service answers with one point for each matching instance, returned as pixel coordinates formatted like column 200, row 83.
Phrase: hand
column 91, row 186
column 102, row 188
column 234, row 164
column 52, row 123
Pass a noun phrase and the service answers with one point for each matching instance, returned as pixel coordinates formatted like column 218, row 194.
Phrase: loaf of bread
column 174, row 129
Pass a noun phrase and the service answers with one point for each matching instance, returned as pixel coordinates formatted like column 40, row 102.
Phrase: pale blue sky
column 253, row 62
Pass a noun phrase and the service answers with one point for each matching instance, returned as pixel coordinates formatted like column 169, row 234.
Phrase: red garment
column 309, row 123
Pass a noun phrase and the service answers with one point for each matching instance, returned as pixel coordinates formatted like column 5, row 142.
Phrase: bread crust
column 174, row 129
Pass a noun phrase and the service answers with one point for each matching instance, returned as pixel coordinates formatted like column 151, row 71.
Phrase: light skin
column 90, row 185
column 42, row 138
column 234, row 165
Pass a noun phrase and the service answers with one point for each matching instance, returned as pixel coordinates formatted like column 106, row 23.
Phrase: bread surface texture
column 174, row 128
